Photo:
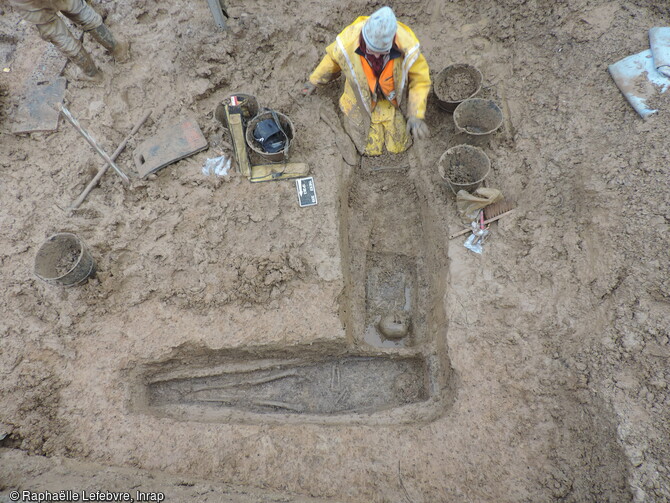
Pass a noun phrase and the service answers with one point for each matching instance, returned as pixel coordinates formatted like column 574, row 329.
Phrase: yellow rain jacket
column 372, row 125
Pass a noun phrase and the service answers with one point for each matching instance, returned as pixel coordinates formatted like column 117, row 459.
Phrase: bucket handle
column 288, row 142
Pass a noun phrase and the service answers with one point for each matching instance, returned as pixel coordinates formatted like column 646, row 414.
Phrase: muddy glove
column 418, row 128
column 308, row 89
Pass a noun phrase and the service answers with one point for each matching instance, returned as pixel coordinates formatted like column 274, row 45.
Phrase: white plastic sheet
column 637, row 78
column 659, row 41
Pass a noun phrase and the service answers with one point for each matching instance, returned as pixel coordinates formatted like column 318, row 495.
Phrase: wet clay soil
column 543, row 361
column 66, row 262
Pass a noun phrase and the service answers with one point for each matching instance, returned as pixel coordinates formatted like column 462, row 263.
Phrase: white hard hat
column 379, row 30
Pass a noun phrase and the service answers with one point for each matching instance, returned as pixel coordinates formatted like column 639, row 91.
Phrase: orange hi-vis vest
column 385, row 82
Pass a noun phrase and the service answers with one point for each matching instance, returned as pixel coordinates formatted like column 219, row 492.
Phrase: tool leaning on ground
column 260, row 172
column 491, row 213
column 104, row 168
column 89, row 139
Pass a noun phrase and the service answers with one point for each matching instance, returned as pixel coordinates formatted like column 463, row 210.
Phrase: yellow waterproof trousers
column 388, row 128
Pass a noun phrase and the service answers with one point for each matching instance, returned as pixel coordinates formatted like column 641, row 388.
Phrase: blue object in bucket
column 659, row 41
column 637, row 78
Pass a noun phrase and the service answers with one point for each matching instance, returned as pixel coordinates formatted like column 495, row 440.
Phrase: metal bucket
column 455, row 84
column 246, row 102
column 478, row 119
column 286, row 125
column 464, row 167
column 63, row 259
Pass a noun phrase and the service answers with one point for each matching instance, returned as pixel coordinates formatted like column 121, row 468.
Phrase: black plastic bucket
column 464, row 167
column 455, row 84
column 478, row 118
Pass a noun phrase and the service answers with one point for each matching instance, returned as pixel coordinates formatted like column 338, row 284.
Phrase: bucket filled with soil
column 269, row 134
column 478, row 118
column 247, row 103
column 455, row 84
column 464, row 167
column 64, row 260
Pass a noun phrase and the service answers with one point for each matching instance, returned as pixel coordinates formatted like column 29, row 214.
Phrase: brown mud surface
column 537, row 371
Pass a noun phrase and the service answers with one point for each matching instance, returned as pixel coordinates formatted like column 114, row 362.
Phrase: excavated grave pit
column 343, row 385
column 390, row 288
column 368, row 378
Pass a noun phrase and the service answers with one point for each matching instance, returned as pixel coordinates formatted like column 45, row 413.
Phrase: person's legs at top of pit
column 53, row 29
column 387, row 129
column 91, row 22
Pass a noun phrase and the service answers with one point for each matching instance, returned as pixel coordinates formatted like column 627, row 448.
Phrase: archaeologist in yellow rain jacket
column 381, row 61
column 44, row 14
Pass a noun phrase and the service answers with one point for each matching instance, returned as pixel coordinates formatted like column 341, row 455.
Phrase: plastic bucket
column 478, row 118
column 64, row 260
column 286, row 125
column 464, row 167
column 455, row 84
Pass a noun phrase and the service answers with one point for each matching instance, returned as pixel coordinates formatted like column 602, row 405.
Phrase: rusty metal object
column 167, row 146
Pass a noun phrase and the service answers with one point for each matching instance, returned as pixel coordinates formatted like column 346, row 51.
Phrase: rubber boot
column 83, row 60
column 119, row 49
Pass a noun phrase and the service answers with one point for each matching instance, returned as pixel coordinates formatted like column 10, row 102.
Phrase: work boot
column 83, row 60
column 119, row 49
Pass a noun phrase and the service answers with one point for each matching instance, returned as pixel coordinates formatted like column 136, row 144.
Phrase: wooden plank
column 239, row 143
column 269, row 172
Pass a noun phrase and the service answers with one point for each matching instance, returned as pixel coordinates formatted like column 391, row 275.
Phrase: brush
column 496, row 209
column 492, row 213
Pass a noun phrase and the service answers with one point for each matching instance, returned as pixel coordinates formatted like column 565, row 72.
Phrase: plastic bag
column 218, row 166
column 469, row 204
column 472, row 246
column 476, row 239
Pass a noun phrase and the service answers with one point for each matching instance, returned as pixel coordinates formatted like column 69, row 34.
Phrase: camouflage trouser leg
column 44, row 14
